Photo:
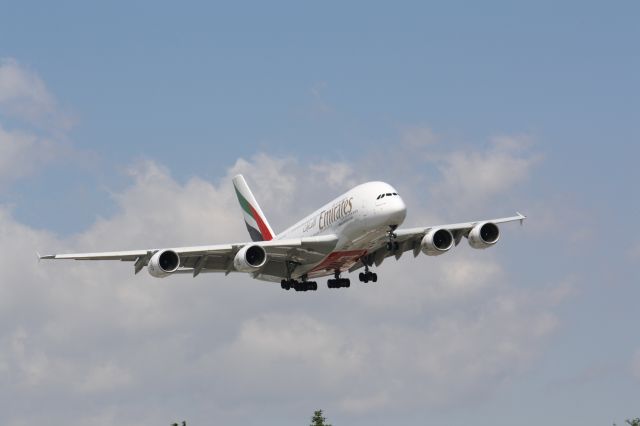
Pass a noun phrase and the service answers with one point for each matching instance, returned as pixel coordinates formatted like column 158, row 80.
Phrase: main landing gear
column 367, row 275
column 299, row 285
column 338, row 282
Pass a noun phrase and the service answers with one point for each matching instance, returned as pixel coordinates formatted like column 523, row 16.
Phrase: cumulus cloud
column 21, row 153
column 24, row 95
column 433, row 332
column 471, row 177
column 108, row 346
column 25, row 98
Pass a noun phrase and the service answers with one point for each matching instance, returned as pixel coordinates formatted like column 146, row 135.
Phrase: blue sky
column 117, row 121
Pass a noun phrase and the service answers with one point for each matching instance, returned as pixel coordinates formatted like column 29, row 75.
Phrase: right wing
column 282, row 255
column 410, row 239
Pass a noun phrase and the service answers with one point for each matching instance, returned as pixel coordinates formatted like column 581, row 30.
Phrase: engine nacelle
column 250, row 258
column 437, row 241
column 483, row 235
column 163, row 263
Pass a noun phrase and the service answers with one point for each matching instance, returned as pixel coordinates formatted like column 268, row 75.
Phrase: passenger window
column 388, row 195
column 378, row 197
column 382, row 196
column 395, row 193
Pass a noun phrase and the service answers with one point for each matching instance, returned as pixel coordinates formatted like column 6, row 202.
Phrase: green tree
column 318, row 420
column 634, row 422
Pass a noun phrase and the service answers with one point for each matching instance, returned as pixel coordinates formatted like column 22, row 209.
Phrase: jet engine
column 437, row 241
column 250, row 258
column 163, row 263
column 483, row 235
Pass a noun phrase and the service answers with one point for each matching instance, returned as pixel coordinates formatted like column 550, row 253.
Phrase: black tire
column 361, row 276
column 374, row 277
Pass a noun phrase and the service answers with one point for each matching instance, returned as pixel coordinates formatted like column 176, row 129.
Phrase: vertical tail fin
column 257, row 224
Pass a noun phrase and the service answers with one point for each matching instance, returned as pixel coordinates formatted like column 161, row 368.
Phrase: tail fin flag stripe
column 263, row 229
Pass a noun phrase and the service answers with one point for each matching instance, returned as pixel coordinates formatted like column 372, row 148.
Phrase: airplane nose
column 397, row 211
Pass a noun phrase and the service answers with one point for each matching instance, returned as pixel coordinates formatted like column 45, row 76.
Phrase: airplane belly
column 337, row 260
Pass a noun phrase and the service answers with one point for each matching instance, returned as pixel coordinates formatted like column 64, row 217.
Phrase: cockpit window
column 388, row 194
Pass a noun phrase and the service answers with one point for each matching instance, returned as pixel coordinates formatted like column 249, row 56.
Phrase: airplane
column 355, row 231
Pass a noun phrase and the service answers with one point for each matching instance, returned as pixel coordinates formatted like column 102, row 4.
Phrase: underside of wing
column 277, row 258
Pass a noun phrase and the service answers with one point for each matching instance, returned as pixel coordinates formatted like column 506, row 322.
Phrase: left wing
column 278, row 254
column 435, row 240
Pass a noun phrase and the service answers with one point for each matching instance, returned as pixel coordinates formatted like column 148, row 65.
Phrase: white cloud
column 25, row 97
column 105, row 377
column 432, row 332
column 471, row 177
column 93, row 339
column 22, row 153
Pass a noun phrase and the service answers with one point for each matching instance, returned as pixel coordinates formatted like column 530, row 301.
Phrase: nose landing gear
column 392, row 244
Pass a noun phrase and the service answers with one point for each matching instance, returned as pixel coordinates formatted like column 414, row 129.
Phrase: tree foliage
column 318, row 419
column 632, row 422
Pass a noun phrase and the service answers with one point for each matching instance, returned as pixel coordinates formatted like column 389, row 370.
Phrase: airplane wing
column 411, row 239
column 220, row 258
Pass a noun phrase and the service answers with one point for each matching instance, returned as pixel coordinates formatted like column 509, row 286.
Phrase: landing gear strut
column 338, row 282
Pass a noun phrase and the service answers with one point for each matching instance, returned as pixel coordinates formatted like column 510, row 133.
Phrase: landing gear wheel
column 367, row 276
column 338, row 283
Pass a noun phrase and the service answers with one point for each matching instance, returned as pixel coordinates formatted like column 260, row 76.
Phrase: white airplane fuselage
column 359, row 217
